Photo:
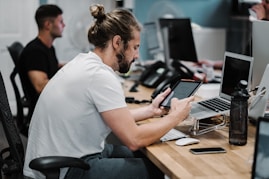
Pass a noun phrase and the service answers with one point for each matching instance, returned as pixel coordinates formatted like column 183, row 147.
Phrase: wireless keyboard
column 172, row 135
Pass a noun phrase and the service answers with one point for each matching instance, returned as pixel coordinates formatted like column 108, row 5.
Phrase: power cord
column 133, row 100
column 134, row 87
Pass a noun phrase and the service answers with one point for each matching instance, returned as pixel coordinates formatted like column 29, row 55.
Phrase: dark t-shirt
column 36, row 56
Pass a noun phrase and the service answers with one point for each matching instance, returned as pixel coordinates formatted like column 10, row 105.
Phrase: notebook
column 236, row 67
column 261, row 152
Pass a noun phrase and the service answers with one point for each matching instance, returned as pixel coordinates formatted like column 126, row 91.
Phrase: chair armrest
column 50, row 165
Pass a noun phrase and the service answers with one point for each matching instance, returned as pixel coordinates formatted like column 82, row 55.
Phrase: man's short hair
column 46, row 11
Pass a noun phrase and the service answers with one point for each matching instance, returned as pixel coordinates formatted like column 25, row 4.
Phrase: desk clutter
column 211, row 132
column 158, row 72
column 158, row 76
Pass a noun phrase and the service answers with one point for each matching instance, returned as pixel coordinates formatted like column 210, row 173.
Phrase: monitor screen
column 152, row 38
column 180, row 39
column 261, row 152
column 260, row 52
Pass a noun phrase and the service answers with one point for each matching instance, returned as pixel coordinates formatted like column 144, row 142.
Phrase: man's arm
column 134, row 136
column 39, row 79
column 151, row 110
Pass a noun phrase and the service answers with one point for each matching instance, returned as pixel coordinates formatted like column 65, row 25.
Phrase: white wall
column 16, row 24
column 77, row 18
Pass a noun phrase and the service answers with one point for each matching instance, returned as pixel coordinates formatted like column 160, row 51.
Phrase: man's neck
column 46, row 39
column 107, row 55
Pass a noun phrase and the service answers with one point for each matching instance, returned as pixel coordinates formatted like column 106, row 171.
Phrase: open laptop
column 258, row 105
column 236, row 67
column 261, row 152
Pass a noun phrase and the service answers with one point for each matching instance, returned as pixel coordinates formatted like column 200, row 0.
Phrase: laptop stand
column 203, row 126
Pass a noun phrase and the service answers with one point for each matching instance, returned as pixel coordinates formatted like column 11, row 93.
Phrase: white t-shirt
column 67, row 120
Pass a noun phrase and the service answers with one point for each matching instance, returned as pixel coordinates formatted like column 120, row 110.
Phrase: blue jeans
column 117, row 162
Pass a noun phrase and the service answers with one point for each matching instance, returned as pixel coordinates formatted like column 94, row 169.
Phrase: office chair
column 22, row 103
column 12, row 157
column 15, row 50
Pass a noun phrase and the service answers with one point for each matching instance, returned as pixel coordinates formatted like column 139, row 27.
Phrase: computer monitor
column 260, row 51
column 261, row 152
column 180, row 38
column 152, row 37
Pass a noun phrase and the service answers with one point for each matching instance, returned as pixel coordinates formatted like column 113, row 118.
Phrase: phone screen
column 209, row 150
column 181, row 90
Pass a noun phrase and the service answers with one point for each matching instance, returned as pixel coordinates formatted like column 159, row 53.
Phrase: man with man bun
column 84, row 102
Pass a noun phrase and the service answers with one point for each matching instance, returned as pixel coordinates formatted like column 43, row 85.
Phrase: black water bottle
column 238, row 128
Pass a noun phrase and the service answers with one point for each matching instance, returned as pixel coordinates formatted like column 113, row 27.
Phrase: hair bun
column 98, row 11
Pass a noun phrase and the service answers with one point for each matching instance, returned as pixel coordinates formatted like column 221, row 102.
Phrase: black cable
column 133, row 100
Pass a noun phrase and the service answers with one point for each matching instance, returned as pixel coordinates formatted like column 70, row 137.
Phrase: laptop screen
column 236, row 67
column 261, row 152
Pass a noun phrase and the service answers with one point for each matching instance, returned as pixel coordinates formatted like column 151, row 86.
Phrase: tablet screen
column 181, row 90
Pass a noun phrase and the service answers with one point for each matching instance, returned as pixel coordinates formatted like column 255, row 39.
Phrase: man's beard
column 124, row 66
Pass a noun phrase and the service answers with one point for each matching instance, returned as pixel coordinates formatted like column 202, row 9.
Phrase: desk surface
column 178, row 162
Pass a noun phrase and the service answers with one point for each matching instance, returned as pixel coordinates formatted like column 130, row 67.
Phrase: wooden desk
column 178, row 162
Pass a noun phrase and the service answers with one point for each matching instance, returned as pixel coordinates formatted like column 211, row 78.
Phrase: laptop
column 236, row 67
column 258, row 105
column 261, row 152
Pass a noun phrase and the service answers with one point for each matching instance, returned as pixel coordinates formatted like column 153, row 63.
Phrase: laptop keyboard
column 215, row 104
column 172, row 135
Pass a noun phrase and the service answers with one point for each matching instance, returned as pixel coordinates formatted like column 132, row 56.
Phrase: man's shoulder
column 35, row 44
column 33, row 50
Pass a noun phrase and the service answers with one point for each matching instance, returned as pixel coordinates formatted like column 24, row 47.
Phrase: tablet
column 180, row 90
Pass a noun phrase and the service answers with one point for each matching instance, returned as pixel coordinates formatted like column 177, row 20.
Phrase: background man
column 38, row 61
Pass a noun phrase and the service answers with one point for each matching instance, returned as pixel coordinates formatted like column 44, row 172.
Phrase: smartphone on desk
column 181, row 89
column 208, row 150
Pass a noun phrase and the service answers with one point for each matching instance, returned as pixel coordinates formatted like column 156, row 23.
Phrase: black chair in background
column 22, row 103
column 12, row 158
column 15, row 50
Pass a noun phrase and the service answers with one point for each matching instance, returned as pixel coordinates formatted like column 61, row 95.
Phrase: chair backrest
column 15, row 50
column 12, row 164
column 20, row 113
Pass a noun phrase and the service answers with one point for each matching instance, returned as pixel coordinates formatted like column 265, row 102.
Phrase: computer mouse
column 187, row 141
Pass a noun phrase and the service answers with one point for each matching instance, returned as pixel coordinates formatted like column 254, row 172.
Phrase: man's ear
column 47, row 24
column 116, row 41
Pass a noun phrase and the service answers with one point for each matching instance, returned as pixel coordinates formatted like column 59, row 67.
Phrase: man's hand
column 260, row 11
column 156, row 108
